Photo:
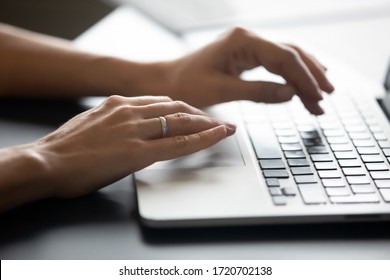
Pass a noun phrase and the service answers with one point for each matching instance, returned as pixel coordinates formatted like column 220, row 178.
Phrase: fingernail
column 319, row 110
column 231, row 127
column 329, row 86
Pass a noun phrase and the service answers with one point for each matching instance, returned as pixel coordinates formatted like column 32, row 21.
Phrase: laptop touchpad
column 225, row 153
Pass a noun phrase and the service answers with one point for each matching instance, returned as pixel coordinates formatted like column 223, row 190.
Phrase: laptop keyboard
column 341, row 157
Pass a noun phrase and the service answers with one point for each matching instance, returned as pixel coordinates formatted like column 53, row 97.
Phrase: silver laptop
column 282, row 166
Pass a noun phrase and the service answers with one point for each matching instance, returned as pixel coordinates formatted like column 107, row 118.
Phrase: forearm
column 22, row 177
column 34, row 64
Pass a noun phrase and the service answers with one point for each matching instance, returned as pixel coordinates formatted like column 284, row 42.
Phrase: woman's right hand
column 119, row 137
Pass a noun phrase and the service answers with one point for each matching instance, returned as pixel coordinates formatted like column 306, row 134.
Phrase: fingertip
column 230, row 129
column 285, row 93
column 329, row 87
column 317, row 110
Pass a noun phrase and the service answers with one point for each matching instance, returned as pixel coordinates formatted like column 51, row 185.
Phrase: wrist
column 24, row 174
column 118, row 76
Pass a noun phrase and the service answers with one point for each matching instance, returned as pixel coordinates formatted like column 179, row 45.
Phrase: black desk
column 104, row 225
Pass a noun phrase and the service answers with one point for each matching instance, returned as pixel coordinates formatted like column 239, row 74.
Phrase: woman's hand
column 104, row 144
column 211, row 74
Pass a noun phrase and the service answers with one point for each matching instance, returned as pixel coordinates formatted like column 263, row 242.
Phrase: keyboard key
column 279, row 200
column 297, row 162
column 312, row 142
column 347, row 120
column 349, row 163
column 312, row 194
column 355, row 128
column 380, row 174
column 289, row 191
column 354, row 171
column 301, row 170
column 364, row 143
column 288, row 139
column 282, row 125
column 379, row 136
column 368, row 151
column 341, row 147
column 376, row 166
column 385, row 194
column 386, row 152
column 384, row 144
column 304, row 179
column 337, row 140
column 359, row 135
column 310, row 134
column 333, row 132
column 317, row 150
column 272, row 182
column 285, row 132
column 343, row 191
column 291, row 147
column 306, row 128
column 330, row 125
column 357, row 180
column 323, row 174
column 264, row 141
column 375, row 128
column 275, row 191
column 325, row 165
column 333, row 183
column 321, row 157
column 271, row 164
column 372, row 158
column 362, row 189
column 358, row 198
column 345, row 155
column 382, row 184
column 294, row 154
column 275, row 173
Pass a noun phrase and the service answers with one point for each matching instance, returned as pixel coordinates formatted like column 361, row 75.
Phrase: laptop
column 283, row 166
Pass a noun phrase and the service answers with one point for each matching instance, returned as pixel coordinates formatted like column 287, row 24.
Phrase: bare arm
column 36, row 64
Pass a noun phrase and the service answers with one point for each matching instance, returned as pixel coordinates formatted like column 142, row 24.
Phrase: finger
column 312, row 106
column 114, row 101
column 285, row 61
column 316, row 68
column 179, row 124
column 257, row 91
column 267, row 92
column 145, row 100
column 173, row 147
column 166, row 108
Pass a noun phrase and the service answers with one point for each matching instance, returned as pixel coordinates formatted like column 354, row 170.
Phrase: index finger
column 286, row 62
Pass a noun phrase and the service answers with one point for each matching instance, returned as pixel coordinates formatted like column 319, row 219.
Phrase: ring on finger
column 164, row 126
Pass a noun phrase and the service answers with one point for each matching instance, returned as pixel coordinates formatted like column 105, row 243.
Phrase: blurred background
column 63, row 18
column 69, row 18
column 354, row 31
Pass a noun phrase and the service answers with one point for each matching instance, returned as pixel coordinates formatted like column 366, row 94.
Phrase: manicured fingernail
column 231, row 127
column 329, row 86
column 319, row 110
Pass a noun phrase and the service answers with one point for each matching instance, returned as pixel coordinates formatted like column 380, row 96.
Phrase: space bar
column 264, row 141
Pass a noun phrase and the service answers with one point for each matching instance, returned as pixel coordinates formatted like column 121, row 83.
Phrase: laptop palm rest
column 224, row 154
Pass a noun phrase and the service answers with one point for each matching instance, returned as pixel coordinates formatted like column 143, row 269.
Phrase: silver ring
column 164, row 126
